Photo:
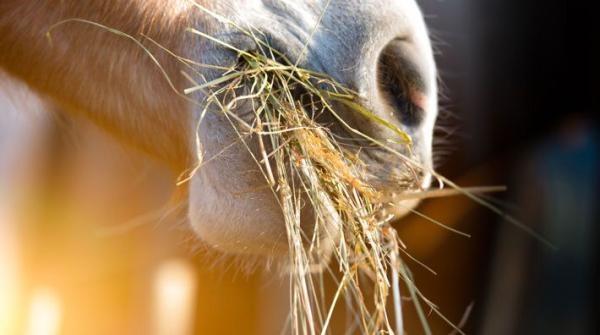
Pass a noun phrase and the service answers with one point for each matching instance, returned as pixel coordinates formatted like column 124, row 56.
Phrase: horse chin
column 249, row 223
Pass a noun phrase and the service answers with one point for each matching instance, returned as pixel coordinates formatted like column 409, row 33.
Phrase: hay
column 302, row 161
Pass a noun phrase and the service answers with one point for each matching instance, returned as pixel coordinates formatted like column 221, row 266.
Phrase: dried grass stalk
column 303, row 162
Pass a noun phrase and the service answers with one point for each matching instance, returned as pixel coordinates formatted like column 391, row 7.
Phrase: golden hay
column 302, row 161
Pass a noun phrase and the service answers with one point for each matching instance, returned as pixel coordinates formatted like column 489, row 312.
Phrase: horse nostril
column 402, row 83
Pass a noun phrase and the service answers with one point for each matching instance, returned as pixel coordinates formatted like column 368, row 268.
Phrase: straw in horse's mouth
column 302, row 161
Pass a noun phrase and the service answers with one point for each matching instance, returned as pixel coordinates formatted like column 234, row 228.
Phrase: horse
column 112, row 62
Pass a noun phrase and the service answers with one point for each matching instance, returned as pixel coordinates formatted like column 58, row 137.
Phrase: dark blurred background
column 519, row 109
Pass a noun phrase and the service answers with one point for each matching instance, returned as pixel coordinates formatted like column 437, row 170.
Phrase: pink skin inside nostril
column 418, row 98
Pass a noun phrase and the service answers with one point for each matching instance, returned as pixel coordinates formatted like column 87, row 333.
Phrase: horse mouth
column 396, row 205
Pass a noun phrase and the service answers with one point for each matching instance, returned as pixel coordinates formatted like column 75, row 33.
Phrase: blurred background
column 87, row 245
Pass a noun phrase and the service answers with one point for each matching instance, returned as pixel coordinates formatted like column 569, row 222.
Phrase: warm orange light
column 45, row 313
column 174, row 298
column 9, row 280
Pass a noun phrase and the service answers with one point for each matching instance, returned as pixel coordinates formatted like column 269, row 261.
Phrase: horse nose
column 402, row 82
column 386, row 58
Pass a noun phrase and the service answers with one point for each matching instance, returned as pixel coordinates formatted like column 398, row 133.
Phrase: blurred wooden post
column 20, row 125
